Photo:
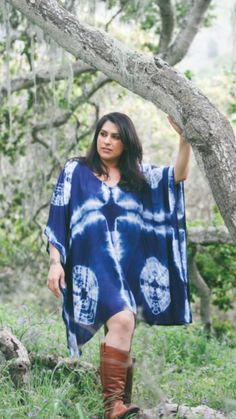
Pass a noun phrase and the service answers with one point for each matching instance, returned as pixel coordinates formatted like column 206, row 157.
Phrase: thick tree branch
column 179, row 48
column 17, row 356
column 43, row 76
column 208, row 131
column 210, row 235
column 167, row 13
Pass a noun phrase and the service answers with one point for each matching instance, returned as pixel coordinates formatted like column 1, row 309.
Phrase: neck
column 110, row 164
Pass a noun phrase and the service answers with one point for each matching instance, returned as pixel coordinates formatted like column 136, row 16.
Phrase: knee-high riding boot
column 113, row 371
column 129, row 377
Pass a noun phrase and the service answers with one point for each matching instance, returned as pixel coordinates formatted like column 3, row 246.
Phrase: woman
column 117, row 240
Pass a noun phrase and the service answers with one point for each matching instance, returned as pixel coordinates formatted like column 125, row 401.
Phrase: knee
column 122, row 322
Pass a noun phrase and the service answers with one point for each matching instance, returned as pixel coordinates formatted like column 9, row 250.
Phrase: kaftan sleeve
column 58, row 224
column 166, row 194
column 167, row 201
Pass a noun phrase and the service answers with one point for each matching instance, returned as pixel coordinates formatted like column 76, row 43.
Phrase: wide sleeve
column 167, row 200
column 166, row 195
column 58, row 224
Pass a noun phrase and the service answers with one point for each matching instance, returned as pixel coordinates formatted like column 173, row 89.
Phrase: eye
column 102, row 133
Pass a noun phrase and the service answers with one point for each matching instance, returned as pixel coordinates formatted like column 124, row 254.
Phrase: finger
column 53, row 286
column 56, row 289
column 172, row 122
column 62, row 281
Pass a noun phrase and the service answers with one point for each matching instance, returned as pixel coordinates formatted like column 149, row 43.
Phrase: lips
column 106, row 149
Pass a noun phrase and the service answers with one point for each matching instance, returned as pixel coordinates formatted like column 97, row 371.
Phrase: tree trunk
column 204, row 293
column 205, row 128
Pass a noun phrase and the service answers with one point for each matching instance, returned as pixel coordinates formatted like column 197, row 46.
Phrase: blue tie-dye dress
column 119, row 250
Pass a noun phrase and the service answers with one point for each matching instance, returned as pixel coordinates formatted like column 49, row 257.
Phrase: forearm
column 183, row 160
column 55, row 256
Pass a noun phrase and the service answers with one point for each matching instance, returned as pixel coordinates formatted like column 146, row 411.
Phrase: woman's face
column 109, row 144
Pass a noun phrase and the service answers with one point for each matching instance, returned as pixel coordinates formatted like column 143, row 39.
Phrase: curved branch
column 167, row 13
column 43, row 76
column 205, row 128
column 179, row 48
column 112, row 18
column 63, row 118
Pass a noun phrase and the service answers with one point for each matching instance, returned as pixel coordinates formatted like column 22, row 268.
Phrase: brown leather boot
column 113, row 371
column 129, row 383
column 129, row 377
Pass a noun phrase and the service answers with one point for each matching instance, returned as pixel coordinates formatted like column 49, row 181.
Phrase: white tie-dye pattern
column 171, row 191
column 182, row 239
column 85, row 294
column 158, row 217
column 91, row 205
column 153, row 174
column 154, row 282
column 106, row 192
column 127, row 297
column 177, row 257
column 180, row 204
column 187, row 311
column 72, row 341
column 116, row 241
column 62, row 192
column 52, row 239
column 126, row 203
column 92, row 218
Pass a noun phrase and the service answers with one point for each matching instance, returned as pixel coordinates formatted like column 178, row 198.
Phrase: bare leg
column 120, row 330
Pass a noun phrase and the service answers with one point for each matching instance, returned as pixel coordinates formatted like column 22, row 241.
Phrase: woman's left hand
column 176, row 127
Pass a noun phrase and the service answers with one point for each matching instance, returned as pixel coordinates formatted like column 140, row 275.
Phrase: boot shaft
column 114, row 364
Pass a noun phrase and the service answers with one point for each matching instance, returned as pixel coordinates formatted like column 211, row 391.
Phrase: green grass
column 177, row 363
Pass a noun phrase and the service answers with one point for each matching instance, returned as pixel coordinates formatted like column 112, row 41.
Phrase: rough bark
column 167, row 13
column 181, row 44
column 17, row 357
column 208, row 131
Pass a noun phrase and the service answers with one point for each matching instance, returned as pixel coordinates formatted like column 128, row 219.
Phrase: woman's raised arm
column 181, row 167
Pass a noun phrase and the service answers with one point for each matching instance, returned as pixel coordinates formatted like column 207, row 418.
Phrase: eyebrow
column 113, row 133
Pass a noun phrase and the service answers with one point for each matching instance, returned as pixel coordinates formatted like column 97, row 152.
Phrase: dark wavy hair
column 132, row 178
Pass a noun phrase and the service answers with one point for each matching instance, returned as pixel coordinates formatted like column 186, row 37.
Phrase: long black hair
column 132, row 178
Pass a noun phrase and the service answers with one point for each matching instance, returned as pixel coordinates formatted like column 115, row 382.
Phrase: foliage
column 217, row 265
column 232, row 102
column 178, row 363
column 147, row 15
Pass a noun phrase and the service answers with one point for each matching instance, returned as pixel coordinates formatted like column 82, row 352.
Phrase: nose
column 107, row 139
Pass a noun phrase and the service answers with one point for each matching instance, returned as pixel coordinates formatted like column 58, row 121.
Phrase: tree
column 208, row 131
